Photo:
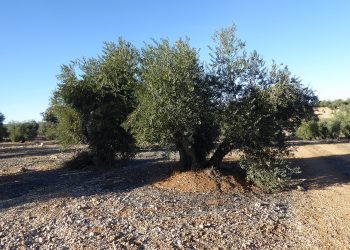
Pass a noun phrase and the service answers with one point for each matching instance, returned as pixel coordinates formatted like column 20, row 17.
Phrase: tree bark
column 185, row 161
column 189, row 157
column 219, row 154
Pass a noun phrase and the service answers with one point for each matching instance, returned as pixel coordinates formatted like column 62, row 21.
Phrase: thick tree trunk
column 185, row 160
column 219, row 154
column 190, row 159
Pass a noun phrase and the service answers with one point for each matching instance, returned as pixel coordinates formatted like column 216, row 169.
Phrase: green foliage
column 237, row 102
column 172, row 101
column 91, row 107
column 165, row 96
column 343, row 116
column 329, row 129
column 69, row 129
column 3, row 129
column 335, row 104
column 308, row 130
column 23, row 131
column 268, row 169
column 322, row 129
column 47, row 130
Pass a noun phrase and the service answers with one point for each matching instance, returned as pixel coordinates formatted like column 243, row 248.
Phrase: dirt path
column 323, row 210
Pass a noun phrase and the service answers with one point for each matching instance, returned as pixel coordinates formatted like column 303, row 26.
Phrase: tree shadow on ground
column 33, row 186
column 298, row 142
column 31, row 151
column 323, row 171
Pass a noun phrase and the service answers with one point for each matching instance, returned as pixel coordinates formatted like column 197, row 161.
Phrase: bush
column 308, row 130
column 23, row 131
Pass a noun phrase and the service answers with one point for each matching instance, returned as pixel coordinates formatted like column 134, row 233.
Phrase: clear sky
column 311, row 37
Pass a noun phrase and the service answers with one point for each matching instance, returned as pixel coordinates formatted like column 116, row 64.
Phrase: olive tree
column 23, row 131
column 237, row 102
column 96, row 96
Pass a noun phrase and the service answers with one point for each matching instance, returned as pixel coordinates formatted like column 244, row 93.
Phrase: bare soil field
column 144, row 205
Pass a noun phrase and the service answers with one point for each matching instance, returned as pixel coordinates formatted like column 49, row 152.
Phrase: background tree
column 94, row 104
column 48, row 126
column 343, row 116
column 3, row 130
column 23, row 131
column 308, row 130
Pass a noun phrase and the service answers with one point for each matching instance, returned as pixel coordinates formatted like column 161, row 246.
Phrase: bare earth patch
column 323, row 211
column 201, row 181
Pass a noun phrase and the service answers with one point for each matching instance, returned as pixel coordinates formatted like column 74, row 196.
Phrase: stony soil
column 137, row 206
column 323, row 211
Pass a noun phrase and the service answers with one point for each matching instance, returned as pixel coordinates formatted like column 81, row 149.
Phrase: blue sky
column 311, row 37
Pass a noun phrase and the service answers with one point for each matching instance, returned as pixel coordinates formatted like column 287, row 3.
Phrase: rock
column 23, row 169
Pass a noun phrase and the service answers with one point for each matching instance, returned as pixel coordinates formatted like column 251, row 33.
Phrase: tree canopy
column 163, row 94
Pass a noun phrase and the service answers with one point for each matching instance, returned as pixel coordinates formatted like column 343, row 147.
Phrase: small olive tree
column 95, row 103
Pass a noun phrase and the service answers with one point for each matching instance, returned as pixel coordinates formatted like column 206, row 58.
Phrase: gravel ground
column 46, row 207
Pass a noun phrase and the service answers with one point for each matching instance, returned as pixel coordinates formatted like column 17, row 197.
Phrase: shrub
column 23, row 131
column 308, row 130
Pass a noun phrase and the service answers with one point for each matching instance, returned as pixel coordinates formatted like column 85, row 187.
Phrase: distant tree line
column 331, row 128
column 18, row 131
column 335, row 104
